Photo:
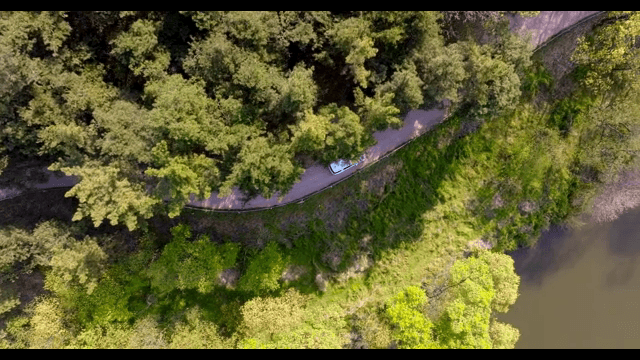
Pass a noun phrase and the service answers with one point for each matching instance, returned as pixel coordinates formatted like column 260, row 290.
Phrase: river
column 580, row 288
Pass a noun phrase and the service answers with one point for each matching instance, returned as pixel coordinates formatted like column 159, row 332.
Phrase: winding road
column 317, row 177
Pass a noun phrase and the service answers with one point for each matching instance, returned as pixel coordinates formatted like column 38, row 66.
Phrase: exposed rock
column 228, row 278
column 468, row 127
column 479, row 244
column 321, row 281
column 364, row 242
column 362, row 263
column 287, row 243
column 333, row 259
column 497, row 201
column 293, row 272
column 527, row 207
column 526, row 229
column 616, row 197
column 151, row 299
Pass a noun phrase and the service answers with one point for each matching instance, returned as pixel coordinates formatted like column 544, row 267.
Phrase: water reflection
column 579, row 288
column 552, row 252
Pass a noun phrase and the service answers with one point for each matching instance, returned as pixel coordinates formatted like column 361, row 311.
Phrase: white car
column 340, row 166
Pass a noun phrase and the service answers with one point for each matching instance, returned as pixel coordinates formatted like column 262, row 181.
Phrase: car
column 341, row 166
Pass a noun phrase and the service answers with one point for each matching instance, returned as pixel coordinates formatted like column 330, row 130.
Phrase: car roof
column 339, row 165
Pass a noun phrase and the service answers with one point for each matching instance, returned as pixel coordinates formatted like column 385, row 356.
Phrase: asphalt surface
column 546, row 24
column 541, row 28
column 318, row 177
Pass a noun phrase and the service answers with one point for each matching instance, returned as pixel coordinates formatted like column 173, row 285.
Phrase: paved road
column 318, row 177
column 54, row 179
column 546, row 24
column 541, row 27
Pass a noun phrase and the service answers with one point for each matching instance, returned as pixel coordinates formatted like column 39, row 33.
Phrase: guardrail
column 567, row 29
column 305, row 197
column 298, row 200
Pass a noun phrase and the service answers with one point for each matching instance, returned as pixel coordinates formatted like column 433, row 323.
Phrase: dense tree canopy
column 478, row 285
column 154, row 107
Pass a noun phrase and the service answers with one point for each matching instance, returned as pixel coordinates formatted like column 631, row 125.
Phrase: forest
column 150, row 108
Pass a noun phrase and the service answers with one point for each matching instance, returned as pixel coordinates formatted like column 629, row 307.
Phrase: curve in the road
column 317, row 178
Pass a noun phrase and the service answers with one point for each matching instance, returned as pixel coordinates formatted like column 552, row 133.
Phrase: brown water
column 580, row 289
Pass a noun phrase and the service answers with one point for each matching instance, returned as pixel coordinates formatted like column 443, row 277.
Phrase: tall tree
column 190, row 265
column 106, row 194
column 138, row 49
column 609, row 56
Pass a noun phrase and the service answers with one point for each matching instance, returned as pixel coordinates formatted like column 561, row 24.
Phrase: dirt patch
column 527, row 207
column 468, row 127
column 333, row 258
column 297, row 219
column 294, row 272
column 377, row 182
column 249, row 230
column 229, row 278
column 361, row 264
column 321, row 281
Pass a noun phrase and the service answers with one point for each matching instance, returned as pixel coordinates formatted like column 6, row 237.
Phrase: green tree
column 109, row 336
column 43, row 327
column 138, row 49
column 479, row 285
column 608, row 58
column 181, row 176
column 128, row 131
column 336, row 132
column 299, row 93
column 406, row 86
column 264, row 271
column 406, row 313
column 190, row 265
column 105, row 194
column 346, row 136
column 378, row 113
column 77, row 265
column 505, row 279
column 263, row 167
column 186, row 117
column 120, row 293
column 352, row 37
column 493, row 84
column 503, row 336
column 22, row 251
column 264, row 318
column 197, row 333
column 310, row 133
column 442, row 71
column 465, row 322
column 147, row 335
